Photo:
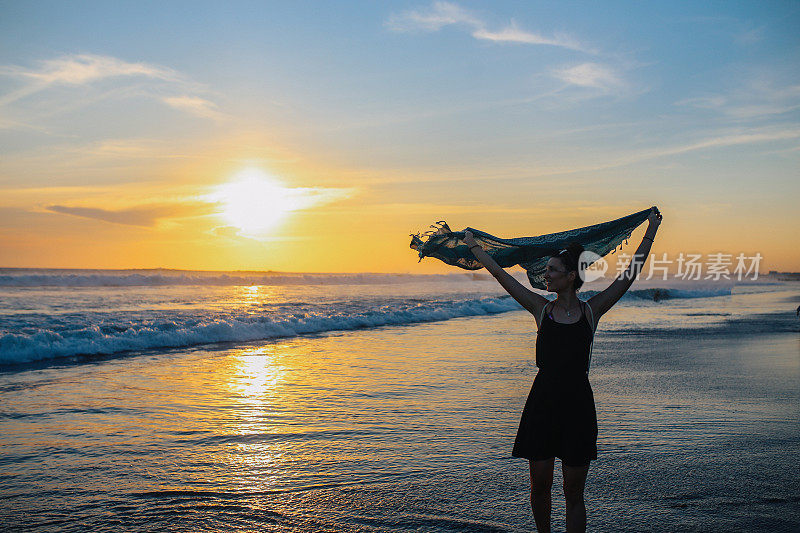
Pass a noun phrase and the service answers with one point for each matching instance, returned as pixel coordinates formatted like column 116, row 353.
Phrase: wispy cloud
column 84, row 68
column 145, row 215
column 79, row 70
column 247, row 193
column 757, row 98
column 441, row 14
column 513, row 34
column 183, row 206
column 715, row 140
column 434, row 18
column 194, row 105
column 248, row 204
column 591, row 75
column 722, row 141
column 770, row 138
column 228, row 232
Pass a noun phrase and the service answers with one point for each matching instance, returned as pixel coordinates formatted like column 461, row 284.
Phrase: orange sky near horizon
column 354, row 230
column 132, row 145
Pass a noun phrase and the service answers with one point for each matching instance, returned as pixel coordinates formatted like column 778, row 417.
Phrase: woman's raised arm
column 606, row 299
column 528, row 299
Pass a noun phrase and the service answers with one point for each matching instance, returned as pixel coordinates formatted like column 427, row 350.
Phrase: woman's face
column 556, row 276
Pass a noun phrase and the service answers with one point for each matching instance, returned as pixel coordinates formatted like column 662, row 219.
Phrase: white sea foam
column 37, row 323
column 47, row 344
column 661, row 293
column 119, row 334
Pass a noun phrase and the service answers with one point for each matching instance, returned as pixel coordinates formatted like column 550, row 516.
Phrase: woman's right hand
column 469, row 240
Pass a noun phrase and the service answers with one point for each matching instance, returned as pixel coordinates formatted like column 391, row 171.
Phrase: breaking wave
column 657, row 294
column 116, row 334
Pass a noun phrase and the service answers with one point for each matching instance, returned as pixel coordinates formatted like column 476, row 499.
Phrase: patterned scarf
column 531, row 253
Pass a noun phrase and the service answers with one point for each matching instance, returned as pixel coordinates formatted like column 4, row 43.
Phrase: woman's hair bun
column 575, row 248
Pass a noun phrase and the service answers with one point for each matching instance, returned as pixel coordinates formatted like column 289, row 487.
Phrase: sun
column 254, row 202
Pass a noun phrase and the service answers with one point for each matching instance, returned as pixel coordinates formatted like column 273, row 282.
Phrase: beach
column 409, row 426
column 254, row 263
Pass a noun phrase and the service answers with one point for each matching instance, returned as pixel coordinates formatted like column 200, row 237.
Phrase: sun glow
column 254, row 202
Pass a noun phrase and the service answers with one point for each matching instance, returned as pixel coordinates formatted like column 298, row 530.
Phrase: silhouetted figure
column 559, row 418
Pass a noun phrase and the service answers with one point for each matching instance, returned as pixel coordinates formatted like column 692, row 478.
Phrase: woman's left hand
column 654, row 218
column 469, row 240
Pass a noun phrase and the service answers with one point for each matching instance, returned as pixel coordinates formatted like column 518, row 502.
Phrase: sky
column 316, row 136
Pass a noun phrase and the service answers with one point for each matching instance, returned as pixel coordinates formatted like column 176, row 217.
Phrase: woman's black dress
column 559, row 418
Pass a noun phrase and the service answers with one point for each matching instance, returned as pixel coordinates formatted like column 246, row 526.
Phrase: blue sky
column 517, row 117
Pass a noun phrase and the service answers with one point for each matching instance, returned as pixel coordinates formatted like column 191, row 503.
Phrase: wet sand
column 401, row 428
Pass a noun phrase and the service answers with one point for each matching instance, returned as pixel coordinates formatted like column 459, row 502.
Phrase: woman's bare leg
column 541, row 483
column 574, row 482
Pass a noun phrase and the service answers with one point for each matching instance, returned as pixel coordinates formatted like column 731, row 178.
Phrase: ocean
column 152, row 400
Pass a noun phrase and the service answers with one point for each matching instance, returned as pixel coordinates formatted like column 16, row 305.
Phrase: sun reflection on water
column 258, row 372
column 253, row 296
column 256, row 376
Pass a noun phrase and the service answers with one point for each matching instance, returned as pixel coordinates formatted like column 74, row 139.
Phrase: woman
column 559, row 418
